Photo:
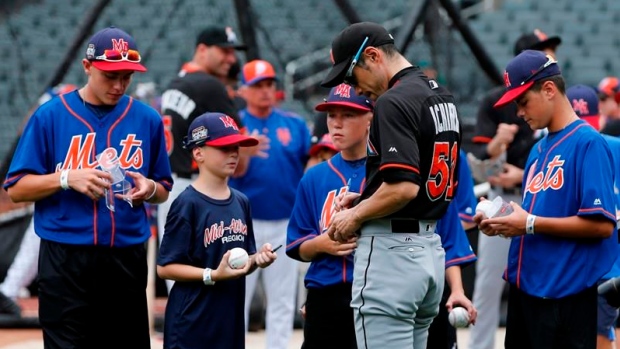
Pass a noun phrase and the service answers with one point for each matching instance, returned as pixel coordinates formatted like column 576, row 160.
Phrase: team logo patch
column 120, row 45
column 284, row 136
column 343, row 90
column 506, row 79
column 581, row 106
column 90, row 51
column 229, row 122
column 541, row 36
column 199, row 133
column 230, row 35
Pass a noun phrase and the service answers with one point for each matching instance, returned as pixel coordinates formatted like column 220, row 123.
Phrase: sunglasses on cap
column 132, row 56
column 549, row 62
column 349, row 79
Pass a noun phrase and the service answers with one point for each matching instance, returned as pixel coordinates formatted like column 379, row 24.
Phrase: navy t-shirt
column 199, row 230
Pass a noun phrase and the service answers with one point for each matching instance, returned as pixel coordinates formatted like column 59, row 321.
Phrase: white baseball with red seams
column 458, row 317
column 238, row 258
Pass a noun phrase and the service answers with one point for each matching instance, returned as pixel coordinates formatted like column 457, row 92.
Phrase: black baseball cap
column 346, row 45
column 537, row 40
column 220, row 36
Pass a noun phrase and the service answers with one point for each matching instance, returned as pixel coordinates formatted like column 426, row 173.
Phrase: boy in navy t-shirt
column 206, row 304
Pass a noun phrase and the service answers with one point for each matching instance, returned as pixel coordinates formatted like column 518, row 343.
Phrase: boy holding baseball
column 206, row 304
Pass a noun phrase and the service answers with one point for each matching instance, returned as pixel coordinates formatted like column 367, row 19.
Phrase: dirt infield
column 31, row 338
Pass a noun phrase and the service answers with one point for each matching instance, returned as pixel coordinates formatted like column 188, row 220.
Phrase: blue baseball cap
column 523, row 71
column 584, row 101
column 112, row 49
column 215, row 130
column 344, row 95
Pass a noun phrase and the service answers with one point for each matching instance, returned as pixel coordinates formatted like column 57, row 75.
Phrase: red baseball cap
column 523, row 71
column 112, row 49
column 216, row 130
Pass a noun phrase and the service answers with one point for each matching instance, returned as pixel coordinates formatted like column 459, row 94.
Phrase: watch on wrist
column 206, row 277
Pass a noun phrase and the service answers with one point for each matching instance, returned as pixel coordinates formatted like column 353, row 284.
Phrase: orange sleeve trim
column 400, row 166
column 481, row 139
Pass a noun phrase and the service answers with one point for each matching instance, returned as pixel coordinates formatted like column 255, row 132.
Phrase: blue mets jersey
column 199, row 230
column 65, row 134
column 271, row 183
column 453, row 238
column 568, row 173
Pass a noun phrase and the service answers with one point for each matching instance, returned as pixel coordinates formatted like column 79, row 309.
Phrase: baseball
column 238, row 258
column 486, row 207
column 458, row 317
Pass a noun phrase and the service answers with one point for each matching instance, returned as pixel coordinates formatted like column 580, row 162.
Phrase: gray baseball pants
column 397, row 285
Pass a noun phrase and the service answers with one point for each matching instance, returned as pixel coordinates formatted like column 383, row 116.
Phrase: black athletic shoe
column 8, row 306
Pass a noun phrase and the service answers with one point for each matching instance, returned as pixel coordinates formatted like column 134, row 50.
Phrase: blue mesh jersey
column 199, row 230
column 614, row 145
column 568, row 173
column 465, row 195
column 65, row 134
column 314, row 206
column 271, row 183
column 454, row 239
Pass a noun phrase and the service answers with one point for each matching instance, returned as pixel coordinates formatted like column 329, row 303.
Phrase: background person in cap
column 270, row 181
column 585, row 103
column 205, row 306
column 324, row 149
column 198, row 88
column 558, row 252
column 92, row 261
column 500, row 135
column 609, row 96
column 329, row 317
column 415, row 124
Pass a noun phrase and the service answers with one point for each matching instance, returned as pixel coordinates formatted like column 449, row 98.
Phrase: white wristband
column 154, row 190
column 529, row 224
column 206, row 277
column 64, row 179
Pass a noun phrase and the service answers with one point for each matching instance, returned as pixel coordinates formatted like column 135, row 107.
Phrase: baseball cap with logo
column 344, row 95
column 256, row 71
column 215, row 130
column 324, row 143
column 112, row 49
column 221, row 37
column 349, row 44
column 536, row 40
column 523, row 71
column 584, row 101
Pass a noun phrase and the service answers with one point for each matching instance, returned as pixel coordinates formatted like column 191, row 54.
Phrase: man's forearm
column 389, row 198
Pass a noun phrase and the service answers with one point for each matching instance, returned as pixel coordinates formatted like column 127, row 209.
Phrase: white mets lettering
column 179, row 102
column 552, row 178
column 445, row 117
column 82, row 150
column 217, row 230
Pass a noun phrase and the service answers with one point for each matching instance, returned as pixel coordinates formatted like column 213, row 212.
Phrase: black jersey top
column 415, row 136
column 489, row 118
column 188, row 96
